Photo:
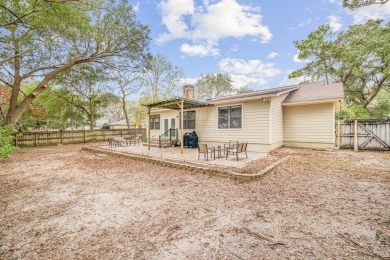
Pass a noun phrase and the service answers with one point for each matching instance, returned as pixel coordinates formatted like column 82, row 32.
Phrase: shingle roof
column 315, row 91
column 264, row 92
column 174, row 103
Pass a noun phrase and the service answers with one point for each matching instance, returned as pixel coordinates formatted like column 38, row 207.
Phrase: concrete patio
column 189, row 156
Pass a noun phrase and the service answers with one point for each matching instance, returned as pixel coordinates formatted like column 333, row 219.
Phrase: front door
column 173, row 126
column 170, row 123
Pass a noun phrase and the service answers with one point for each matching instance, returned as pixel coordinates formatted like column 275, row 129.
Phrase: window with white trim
column 155, row 122
column 189, row 119
column 230, row 117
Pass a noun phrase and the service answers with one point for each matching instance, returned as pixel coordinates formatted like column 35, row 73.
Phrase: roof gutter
column 312, row 102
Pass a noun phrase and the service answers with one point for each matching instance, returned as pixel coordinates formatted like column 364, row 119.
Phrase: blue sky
column 250, row 40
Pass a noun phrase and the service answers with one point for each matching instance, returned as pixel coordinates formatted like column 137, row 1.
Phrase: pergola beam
column 181, row 127
column 148, row 129
column 176, row 103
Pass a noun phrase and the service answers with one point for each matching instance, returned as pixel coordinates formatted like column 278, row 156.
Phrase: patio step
column 164, row 143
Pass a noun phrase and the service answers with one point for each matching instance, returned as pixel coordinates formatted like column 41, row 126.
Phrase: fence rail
column 364, row 134
column 44, row 138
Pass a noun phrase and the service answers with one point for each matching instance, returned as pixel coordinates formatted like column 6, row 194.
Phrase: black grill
column 190, row 140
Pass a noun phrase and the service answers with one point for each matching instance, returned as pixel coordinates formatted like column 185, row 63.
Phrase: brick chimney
column 189, row 91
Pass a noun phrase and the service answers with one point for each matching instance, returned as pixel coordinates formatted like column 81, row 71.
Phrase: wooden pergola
column 176, row 103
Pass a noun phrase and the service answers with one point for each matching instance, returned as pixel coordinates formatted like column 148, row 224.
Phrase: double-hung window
column 230, row 117
column 155, row 122
column 189, row 119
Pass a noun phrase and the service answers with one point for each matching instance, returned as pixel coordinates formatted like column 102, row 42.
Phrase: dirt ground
column 63, row 203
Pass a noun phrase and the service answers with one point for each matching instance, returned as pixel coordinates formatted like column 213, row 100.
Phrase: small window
column 230, row 117
column 189, row 119
column 155, row 122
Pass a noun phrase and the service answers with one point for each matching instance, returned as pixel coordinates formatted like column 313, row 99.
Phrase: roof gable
column 259, row 94
column 314, row 92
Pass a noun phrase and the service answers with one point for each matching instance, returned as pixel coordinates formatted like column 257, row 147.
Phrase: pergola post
column 148, row 128
column 181, row 126
column 176, row 103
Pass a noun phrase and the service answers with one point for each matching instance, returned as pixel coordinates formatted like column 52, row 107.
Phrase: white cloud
column 199, row 50
column 272, row 55
column 210, row 22
column 240, row 81
column 136, row 7
column 191, row 81
column 235, row 47
column 363, row 14
column 332, row 1
column 288, row 82
column 294, row 81
column 307, row 22
column 335, row 23
column 297, row 60
column 173, row 13
column 244, row 72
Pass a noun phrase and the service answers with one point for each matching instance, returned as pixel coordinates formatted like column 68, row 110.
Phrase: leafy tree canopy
column 87, row 90
column 160, row 80
column 358, row 57
column 354, row 4
column 41, row 39
column 213, row 85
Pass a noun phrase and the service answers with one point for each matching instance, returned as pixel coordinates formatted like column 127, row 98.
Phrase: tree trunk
column 91, row 121
column 13, row 103
column 125, row 111
column 91, row 114
column 16, row 111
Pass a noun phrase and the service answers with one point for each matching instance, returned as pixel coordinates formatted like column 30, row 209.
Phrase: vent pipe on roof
column 189, row 91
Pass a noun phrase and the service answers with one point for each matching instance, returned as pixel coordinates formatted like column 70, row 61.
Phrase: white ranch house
column 298, row 116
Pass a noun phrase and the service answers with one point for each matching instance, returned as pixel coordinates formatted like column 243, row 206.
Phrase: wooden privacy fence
column 363, row 134
column 43, row 138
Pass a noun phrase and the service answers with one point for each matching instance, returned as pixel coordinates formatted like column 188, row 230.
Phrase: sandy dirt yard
column 64, row 203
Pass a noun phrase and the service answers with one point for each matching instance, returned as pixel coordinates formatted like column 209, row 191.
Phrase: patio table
column 219, row 150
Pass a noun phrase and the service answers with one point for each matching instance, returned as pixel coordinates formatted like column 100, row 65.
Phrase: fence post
column 61, row 137
column 338, row 134
column 16, row 139
column 85, row 136
column 355, row 136
column 35, row 139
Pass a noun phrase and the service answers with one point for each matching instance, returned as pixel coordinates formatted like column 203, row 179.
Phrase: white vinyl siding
column 255, row 124
column 164, row 114
column 276, row 120
column 309, row 123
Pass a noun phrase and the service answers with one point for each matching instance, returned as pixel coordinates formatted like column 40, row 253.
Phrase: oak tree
column 213, row 85
column 60, row 37
column 358, row 57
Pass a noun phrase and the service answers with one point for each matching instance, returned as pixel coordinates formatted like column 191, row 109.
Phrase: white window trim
column 188, row 129
column 242, row 117
column 154, row 129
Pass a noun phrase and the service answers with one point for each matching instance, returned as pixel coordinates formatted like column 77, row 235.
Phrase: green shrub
column 6, row 140
column 143, row 137
column 353, row 112
column 105, row 126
